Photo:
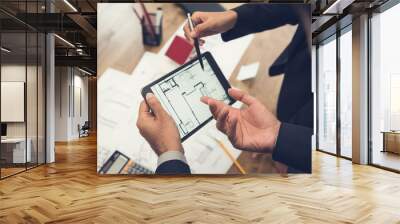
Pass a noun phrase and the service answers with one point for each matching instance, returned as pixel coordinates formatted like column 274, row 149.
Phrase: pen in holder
column 152, row 28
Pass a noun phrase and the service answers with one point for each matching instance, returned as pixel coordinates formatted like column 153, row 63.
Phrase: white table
column 18, row 147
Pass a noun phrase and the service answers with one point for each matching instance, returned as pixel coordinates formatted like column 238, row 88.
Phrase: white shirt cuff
column 171, row 155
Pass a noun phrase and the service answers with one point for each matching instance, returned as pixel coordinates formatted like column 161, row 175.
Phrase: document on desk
column 227, row 54
column 248, row 71
column 118, row 101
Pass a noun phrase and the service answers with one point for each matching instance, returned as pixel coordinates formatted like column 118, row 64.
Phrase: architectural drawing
column 180, row 95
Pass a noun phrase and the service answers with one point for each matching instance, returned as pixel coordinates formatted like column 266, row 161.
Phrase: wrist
column 170, row 148
column 232, row 15
column 171, row 155
column 271, row 136
column 276, row 129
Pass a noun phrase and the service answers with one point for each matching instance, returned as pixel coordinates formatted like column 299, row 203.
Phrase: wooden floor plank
column 70, row 191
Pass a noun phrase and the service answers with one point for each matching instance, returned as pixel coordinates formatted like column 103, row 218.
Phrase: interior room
column 334, row 56
column 49, row 114
column 27, row 59
column 22, row 100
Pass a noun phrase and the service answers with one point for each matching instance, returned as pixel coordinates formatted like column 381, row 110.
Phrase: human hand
column 253, row 128
column 158, row 127
column 209, row 23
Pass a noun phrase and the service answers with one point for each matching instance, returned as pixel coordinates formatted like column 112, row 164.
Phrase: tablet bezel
column 217, row 71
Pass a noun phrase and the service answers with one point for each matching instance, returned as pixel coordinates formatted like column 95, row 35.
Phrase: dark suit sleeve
column 254, row 18
column 293, row 147
column 173, row 167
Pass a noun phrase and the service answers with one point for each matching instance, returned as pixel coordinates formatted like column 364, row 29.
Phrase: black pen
column 196, row 42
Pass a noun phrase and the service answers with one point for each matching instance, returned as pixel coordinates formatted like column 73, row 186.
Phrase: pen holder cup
column 148, row 37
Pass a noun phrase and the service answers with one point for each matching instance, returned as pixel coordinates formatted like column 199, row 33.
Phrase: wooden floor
column 70, row 191
column 11, row 170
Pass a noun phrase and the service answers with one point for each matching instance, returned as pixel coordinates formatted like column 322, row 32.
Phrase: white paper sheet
column 118, row 101
column 248, row 71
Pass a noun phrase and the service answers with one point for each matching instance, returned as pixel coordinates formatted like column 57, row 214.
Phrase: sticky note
column 179, row 50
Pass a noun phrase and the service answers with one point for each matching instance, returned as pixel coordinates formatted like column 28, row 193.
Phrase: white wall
column 16, row 73
column 79, row 117
column 62, row 81
column 71, row 94
column 12, row 101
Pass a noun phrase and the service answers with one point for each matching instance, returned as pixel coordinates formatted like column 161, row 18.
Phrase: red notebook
column 179, row 50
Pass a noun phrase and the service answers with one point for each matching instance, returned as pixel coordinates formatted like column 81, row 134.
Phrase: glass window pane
column 13, row 86
column 313, row 87
column 346, row 94
column 41, row 99
column 385, row 95
column 23, row 90
column 31, row 88
column 31, row 100
column 327, row 96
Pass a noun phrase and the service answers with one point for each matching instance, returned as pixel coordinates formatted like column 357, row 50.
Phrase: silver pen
column 196, row 42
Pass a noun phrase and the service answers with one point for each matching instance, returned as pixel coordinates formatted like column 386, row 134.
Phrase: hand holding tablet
column 179, row 93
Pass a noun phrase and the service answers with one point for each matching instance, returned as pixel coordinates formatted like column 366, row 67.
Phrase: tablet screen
column 180, row 95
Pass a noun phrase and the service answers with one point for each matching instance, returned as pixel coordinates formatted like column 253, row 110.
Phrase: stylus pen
column 196, row 42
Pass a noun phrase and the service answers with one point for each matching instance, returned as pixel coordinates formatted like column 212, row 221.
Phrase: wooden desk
column 391, row 141
column 264, row 48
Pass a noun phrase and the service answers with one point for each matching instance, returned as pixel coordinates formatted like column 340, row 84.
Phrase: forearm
column 255, row 17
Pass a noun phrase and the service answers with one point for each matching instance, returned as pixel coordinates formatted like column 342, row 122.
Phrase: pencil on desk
column 229, row 154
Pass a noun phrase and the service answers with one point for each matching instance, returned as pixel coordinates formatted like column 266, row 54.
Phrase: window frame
column 333, row 37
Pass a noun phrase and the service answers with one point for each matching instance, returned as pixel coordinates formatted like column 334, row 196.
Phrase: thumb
column 154, row 105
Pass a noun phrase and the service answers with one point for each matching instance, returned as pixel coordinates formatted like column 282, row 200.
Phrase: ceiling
column 73, row 21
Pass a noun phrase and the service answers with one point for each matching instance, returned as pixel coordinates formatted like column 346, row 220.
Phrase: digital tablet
column 180, row 91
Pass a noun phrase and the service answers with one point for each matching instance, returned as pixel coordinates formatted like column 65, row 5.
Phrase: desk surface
column 264, row 48
column 391, row 132
column 12, row 140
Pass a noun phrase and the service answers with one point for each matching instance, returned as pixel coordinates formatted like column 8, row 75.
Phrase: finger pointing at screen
column 253, row 128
